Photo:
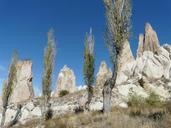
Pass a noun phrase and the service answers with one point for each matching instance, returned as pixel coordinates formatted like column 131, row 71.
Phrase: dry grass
column 118, row 118
column 144, row 113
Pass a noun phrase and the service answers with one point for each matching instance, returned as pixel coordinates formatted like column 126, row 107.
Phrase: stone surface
column 149, row 41
column 126, row 56
column 153, row 66
column 66, row 80
column 125, row 59
column 10, row 114
column 129, row 89
column 168, row 48
column 36, row 112
column 23, row 89
column 103, row 74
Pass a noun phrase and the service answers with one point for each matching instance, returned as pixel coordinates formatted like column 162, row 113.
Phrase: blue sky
column 24, row 25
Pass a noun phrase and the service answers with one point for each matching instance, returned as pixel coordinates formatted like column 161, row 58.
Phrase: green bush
column 63, row 93
column 154, row 100
column 136, row 100
column 168, row 106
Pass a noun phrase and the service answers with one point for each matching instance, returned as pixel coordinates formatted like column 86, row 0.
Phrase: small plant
column 154, row 100
column 136, row 100
column 168, row 106
column 63, row 93
column 48, row 114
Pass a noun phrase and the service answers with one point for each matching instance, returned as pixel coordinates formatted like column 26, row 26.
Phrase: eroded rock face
column 168, row 48
column 23, row 89
column 103, row 74
column 148, row 41
column 125, row 57
column 66, row 80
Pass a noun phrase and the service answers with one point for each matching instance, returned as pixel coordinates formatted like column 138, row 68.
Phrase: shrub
column 48, row 114
column 168, row 106
column 154, row 100
column 63, row 93
column 136, row 100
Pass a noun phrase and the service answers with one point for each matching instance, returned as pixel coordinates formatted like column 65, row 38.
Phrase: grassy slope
column 119, row 118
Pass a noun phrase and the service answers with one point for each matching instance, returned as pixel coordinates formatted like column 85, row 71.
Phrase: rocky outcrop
column 148, row 41
column 124, row 60
column 23, row 89
column 103, row 74
column 151, row 71
column 126, row 56
column 66, row 81
column 168, row 48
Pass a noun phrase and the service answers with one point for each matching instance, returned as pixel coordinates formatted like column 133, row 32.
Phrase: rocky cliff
column 23, row 89
column 148, row 41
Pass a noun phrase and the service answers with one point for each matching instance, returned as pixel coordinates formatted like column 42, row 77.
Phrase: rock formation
column 151, row 69
column 23, row 89
column 125, row 59
column 168, row 48
column 103, row 74
column 148, row 41
column 126, row 56
column 66, row 80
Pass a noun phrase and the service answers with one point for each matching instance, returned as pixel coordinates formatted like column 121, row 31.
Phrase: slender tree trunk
column 89, row 98
column 3, row 116
column 107, row 96
column 46, row 111
column 108, row 87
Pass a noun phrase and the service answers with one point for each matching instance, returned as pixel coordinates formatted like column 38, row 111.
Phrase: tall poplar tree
column 118, row 17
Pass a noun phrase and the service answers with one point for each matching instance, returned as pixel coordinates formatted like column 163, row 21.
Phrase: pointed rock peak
column 103, row 68
column 66, row 80
column 103, row 74
column 126, row 56
column 140, row 45
column 148, row 27
column 103, row 64
column 148, row 41
column 141, row 37
column 65, row 67
column 91, row 30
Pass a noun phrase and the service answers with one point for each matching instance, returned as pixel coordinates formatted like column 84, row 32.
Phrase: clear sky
column 24, row 25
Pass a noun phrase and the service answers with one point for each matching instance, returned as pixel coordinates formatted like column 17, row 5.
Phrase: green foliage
column 89, row 64
column 49, row 56
column 63, row 93
column 119, row 19
column 5, row 94
column 9, row 85
column 168, row 106
column 136, row 100
column 154, row 100
column 118, row 14
column 89, row 60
